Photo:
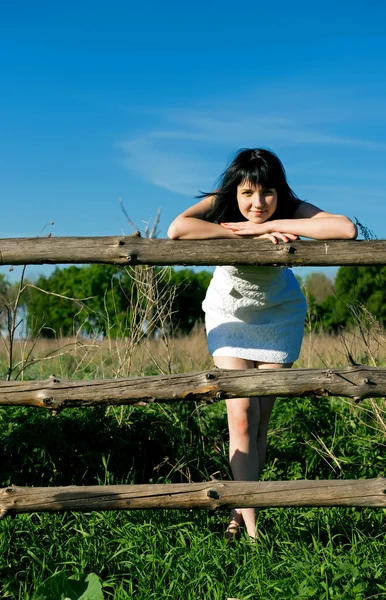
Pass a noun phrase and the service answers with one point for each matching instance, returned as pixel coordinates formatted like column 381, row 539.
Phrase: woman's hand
column 276, row 236
column 246, row 228
column 258, row 231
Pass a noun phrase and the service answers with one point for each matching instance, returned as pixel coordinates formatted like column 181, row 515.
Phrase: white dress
column 256, row 313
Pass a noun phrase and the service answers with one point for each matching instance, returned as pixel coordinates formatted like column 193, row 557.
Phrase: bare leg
column 248, row 420
column 266, row 406
column 243, row 423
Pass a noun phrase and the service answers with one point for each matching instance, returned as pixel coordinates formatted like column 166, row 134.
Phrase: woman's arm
column 308, row 221
column 191, row 224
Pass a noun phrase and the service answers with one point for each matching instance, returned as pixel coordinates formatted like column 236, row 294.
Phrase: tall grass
column 84, row 358
column 302, row 553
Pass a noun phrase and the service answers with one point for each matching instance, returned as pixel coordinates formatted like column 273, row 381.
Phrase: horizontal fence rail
column 134, row 250
column 206, row 386
column 358, row 382
column 208, row 495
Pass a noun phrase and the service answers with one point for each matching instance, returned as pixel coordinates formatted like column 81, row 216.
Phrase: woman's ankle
column 249, row 517
column 234, row 525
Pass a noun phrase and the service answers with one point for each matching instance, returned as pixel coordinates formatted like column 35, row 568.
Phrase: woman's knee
column 243, row 416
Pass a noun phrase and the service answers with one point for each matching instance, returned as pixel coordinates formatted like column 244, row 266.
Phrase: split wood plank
column 134, row 250
column 358, row 382
column 207, row 495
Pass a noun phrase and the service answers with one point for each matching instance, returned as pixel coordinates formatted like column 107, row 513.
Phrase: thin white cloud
column 173, row 171
column 241, row 127
column 187, row 149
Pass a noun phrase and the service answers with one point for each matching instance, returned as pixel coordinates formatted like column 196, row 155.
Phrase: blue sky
column 148, row 101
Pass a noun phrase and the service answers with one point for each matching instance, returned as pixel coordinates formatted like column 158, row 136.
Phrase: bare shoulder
column 185, row 224
column 200, row 209
column 306, row 210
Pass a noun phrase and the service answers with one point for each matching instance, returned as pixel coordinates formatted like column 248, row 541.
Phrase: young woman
column 254, row 315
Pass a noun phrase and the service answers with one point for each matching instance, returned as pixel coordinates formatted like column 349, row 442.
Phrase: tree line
column 101, row 300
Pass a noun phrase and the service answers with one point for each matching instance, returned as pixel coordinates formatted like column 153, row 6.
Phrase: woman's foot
column 232, row 532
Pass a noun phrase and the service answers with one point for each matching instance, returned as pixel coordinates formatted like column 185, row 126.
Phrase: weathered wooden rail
column 207, row 495
column 135, row 250
column 207, row 386
column 356, row 382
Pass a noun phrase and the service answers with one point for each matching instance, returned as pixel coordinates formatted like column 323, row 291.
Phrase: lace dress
column 256, row 313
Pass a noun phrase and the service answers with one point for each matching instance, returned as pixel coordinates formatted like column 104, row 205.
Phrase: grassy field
column 302, row 553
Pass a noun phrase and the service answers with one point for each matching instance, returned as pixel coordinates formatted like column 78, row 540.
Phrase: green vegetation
column 357, row 291
column 327, row 554
column 104, row 300
column 99, row 299
column 302, row 553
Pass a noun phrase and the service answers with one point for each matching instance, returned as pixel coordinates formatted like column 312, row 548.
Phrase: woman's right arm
column 191, row 224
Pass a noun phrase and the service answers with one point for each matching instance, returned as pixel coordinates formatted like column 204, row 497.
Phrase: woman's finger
column 269, row 236
column 285, row 237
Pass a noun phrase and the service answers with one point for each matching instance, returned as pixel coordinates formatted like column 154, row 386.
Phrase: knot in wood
column 211, row 493
column 322, row 392
column 10, row 490
column 132, row 258
column 210, row 376
column 286, row 249
column 365, row 380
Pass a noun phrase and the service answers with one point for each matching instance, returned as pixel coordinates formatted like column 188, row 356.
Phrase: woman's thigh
column 231, row 362
column 242, row 412
column 267, row 402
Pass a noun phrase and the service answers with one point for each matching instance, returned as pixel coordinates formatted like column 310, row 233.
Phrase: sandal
column 233, row 530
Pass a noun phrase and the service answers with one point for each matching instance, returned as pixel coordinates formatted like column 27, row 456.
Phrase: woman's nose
column 258, row 199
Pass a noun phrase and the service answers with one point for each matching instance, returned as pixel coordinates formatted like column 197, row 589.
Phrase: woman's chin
column 257, row 219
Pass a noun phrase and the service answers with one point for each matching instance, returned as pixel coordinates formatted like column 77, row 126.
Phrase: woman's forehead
column 250, row 184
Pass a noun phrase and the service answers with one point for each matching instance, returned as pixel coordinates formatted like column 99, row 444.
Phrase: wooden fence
column 358, row 382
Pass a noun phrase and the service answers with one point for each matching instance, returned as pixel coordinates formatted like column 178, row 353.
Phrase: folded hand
column 257, row 231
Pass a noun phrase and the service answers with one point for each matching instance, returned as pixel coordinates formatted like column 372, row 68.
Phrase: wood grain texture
column 207, row 495
column 134, row 250
column 206, row 386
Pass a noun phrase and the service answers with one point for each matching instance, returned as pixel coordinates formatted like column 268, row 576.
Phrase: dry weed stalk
column 150, row 299
column 371, row 336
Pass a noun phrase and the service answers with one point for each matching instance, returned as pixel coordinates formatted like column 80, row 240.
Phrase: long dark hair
column 257, row 167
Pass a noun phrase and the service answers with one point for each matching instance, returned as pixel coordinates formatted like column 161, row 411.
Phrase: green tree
column 104, row 299
column 4, row 289
column 91, row 297
column 362, row 286
column 191, row 289
column 357, row 290
column 318, row 286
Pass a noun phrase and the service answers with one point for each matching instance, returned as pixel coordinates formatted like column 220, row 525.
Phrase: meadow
column 329, row 553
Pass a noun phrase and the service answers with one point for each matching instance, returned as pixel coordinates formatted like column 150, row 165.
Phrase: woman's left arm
column 308, row 221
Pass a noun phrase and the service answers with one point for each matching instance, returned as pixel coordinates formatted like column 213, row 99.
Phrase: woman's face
column 257, row 204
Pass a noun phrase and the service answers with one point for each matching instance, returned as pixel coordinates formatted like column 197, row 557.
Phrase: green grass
column 302, row 553
column 325, row 553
